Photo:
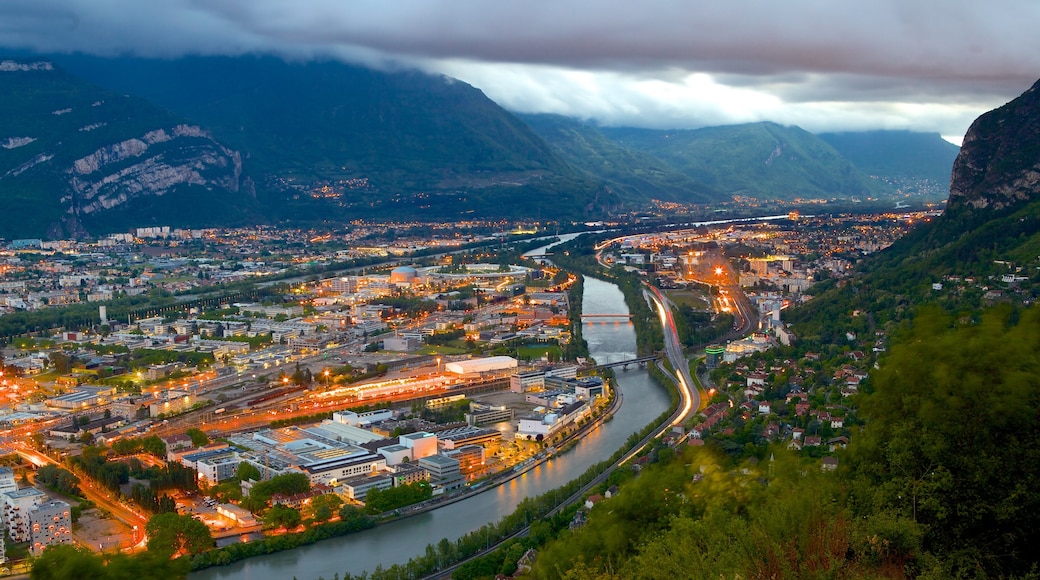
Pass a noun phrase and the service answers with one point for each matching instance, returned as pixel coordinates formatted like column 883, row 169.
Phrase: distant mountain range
column 757, row 160
column 990, row 229
column 222, row 141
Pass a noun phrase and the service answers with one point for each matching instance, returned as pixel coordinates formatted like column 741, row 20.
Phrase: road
column 689, row 394
column 689, row 403
column 135, row 520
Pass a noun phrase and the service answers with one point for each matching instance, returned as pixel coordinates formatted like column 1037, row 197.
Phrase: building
column 540, row 428
column 401, row 344
column 395, row 454
column 362, row 419
column 445, row 472
column 421, row 444
column 408, row 473
column 219, row 466
column 713, row 355
column 468, row 435
column 17, row 506
column 470, row 457
column 523, row 382
column 481, row 365
column 7, row 482
column 240, row 516
column 357, row 488
column 50, row 524
column 344, row 468
column 486, row 414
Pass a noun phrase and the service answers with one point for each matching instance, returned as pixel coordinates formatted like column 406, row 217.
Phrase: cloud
column 909, row 63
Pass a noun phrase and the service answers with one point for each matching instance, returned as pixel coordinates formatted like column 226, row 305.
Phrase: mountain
column 758, row 160
column 917, row 164
column 77, row 158
column 990, row 229
column 999, row 162
column 896, row 153
column 325, row 140
column 635, row 175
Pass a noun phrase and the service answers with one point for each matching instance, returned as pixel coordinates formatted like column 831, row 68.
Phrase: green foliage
column 280, row 516
column 285, row 484
column 383, row 500
column 952, row 438
column 450, row 413
column 247, row 471
column 170, row 534
column 352, row 520
column 96, row 466
column 58, row 479
column 151, row 444
column 896, row 153
column 636, row 174
column 763, row 160
column 66, row 561
column 325, row 506
column 445, row 137
column 198, row 437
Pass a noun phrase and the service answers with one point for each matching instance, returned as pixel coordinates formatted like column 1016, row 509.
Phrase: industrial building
column 444, row 471
column 481, row 365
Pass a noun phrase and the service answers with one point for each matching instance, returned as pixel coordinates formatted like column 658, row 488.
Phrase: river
column 396, row 542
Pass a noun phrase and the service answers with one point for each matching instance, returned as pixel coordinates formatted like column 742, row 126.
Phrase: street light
column 327, row 384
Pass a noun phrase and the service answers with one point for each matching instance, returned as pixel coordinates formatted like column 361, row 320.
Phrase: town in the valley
column 388, row 368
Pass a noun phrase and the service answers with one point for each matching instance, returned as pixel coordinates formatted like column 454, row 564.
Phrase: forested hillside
column 938, row 484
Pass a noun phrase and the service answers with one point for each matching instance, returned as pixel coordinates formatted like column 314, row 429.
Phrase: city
column 443, row 378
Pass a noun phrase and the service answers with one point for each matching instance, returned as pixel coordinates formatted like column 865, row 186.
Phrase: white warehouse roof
column 481, row 365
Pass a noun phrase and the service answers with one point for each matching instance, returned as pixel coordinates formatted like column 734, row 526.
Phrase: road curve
column 689, row 394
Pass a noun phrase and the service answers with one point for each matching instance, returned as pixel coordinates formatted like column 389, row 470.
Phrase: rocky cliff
column 999, row 162
column 78, row 160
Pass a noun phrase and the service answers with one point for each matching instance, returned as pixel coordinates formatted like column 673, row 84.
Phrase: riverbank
column 454, row 529
column 229, row 555
column 506, row 476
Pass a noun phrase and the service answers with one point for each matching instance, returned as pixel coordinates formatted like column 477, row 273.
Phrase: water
column 396, row 542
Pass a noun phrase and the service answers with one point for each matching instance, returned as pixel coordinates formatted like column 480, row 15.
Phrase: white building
column 362, row 419
column 7, row 482
column 50, row 524
column 482, row 365
column 17, row 506
column 421, row 444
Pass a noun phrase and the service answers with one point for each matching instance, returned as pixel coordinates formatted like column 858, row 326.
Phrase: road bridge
column 641, row 361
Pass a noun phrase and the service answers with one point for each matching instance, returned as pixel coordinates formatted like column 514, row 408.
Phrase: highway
column 689, row 394
column 690, row 399
column 121, row 511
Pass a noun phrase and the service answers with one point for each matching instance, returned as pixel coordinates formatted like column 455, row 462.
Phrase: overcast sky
column 824, row 65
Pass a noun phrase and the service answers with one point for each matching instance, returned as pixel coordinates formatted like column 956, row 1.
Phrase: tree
column 67, row 561
column 198, row 437
column 173, row 534
column 280, row 516
column 951, row 436
column 62, row 362
column 247, row 471
column 323, row 506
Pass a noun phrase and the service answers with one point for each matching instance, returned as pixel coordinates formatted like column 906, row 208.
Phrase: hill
column 637, row 176
column 983, row 249
column 916, row 164
column 325, row 140
column 758, row 160
column 931, row 483
column 894, row 154
column 77, row 158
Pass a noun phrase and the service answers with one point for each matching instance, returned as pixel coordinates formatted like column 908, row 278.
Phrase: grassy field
column 535, row 352
column 696, row 299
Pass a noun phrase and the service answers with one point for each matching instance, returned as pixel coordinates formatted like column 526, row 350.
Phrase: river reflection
column 396, row 542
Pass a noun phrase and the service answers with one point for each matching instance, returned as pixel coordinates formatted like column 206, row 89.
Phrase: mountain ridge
column 72, row 152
